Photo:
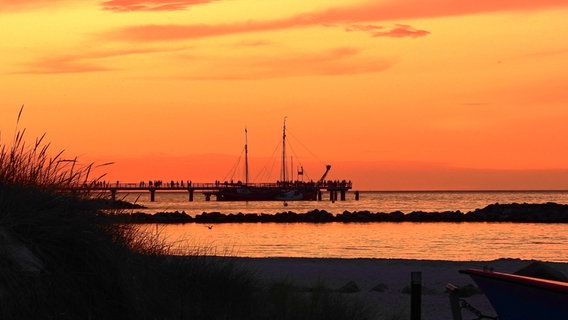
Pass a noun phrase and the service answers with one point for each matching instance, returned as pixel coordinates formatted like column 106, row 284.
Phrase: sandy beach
column 393, row 275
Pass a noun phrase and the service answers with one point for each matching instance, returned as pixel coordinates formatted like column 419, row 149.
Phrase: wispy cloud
column 398, row 31
column 22, row 5
column 78, row 63
column 253, row 43
column 62, row 64
column 180, row 32
column 337, row 61
column 150, row 5
column 408, row 9
column 349, row 16
column 110, row 5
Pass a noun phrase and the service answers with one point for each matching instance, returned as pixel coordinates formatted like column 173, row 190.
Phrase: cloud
column 353, row 15
column 62, row 64
column 336, row 61
column 399, row 31
column 253, row 43
column 150, row 5
column 25, row 5
column 179, row 32
column 110, row 5
column 78, row 63
column 411, row 9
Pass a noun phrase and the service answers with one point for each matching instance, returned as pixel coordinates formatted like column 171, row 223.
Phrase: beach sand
column 392, row 274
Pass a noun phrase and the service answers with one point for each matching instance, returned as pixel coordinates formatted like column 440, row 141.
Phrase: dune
column 385, row 282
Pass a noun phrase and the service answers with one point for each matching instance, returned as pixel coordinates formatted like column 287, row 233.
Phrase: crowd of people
column 343, row 184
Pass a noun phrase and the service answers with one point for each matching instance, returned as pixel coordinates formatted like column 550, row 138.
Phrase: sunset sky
column 394, row 94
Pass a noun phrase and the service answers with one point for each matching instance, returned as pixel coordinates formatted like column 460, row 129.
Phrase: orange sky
column 395, row 95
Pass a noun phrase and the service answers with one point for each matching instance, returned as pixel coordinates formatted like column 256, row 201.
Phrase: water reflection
column 408, row 240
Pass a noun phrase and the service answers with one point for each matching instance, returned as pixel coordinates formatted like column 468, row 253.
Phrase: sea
column 456, row 241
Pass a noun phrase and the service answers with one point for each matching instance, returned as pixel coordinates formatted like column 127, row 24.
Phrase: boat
column 283, row 190
column 517, row 297
column 267, row 192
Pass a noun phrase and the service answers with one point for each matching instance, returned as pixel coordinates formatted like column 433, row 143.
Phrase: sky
column 393, row 94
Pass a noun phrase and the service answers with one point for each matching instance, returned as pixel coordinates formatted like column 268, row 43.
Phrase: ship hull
column 266, row 194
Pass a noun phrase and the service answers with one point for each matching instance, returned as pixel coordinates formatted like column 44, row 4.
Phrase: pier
column 335, row 188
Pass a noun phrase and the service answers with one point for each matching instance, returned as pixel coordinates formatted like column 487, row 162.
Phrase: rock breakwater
column 514, row 212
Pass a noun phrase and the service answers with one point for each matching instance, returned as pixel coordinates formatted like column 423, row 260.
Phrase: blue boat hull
column 517, row 297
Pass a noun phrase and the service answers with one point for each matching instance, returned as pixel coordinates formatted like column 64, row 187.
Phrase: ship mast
column 283, row 176
column 246, row 158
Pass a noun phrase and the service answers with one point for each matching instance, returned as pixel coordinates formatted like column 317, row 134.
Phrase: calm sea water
column 407, row 240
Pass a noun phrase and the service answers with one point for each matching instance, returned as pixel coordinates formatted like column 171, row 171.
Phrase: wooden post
column 113, row 194
column 415, row 295
column 152, row 194
column 342, row 194
column 357, row 195
column 319, row 195
column 454, row 301
column 190, row 195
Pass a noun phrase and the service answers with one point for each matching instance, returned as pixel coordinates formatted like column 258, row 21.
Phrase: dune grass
column 58, row 260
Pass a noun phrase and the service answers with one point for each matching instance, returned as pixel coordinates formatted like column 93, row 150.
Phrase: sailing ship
column 283, row 190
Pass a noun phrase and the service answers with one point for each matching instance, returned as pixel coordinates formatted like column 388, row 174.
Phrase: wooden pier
column 334, row 188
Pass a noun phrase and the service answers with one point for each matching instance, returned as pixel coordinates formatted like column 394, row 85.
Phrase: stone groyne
column 515, row 212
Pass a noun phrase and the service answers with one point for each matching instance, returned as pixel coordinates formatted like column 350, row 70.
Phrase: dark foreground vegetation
column 61, row 259
column 515, row 212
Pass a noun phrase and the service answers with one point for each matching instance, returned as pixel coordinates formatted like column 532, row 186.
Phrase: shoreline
column 385, row 282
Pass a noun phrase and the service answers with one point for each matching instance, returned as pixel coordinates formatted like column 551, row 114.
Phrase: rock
column 349, row 287
column 381, row 287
